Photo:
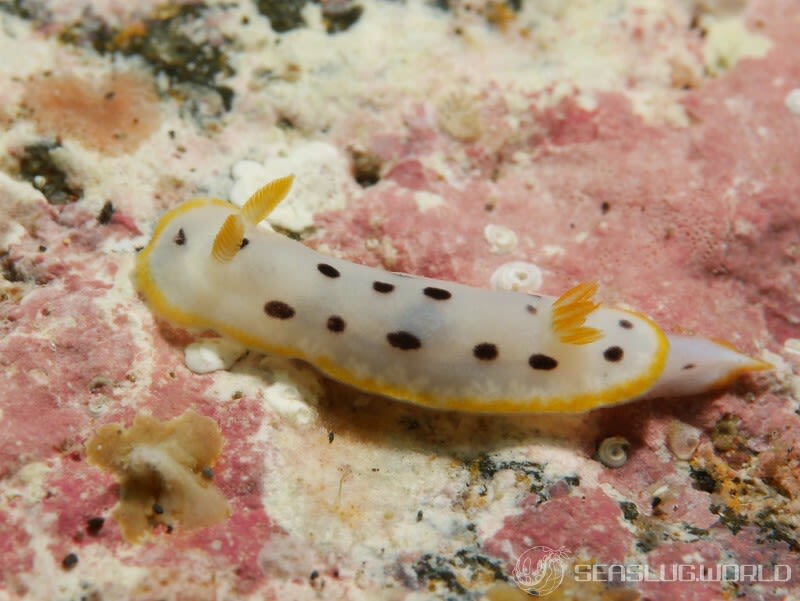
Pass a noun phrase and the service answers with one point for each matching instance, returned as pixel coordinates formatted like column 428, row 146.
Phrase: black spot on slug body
column 539, row 361
column 328, row 270
column 436, row 293
column 531, row 309
column 688, row 366
column 624, row 323
column 279, row 310
column 405, row 341
column 336, row 324
column 613, row 354
column 244, row 243
column 382, row 287
column 485, row 351
column 180, row 238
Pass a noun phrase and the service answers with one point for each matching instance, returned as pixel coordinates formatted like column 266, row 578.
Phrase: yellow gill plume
column 264, row 201
column 230, row 237
column 570, row 311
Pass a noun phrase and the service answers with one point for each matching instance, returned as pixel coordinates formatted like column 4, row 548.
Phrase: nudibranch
column 433, row 343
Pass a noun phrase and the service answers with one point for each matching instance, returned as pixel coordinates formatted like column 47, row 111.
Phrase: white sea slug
column 438, row 344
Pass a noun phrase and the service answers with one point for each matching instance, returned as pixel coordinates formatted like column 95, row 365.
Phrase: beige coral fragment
column 163, row 469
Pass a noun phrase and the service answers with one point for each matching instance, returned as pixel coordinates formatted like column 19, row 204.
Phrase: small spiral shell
column 518, row 276
column 501, row 239
column 682, row 439
column 98, row 405
column 613, row 451
column 458, row 115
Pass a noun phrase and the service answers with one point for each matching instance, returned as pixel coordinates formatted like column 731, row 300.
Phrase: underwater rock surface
column 653, row 150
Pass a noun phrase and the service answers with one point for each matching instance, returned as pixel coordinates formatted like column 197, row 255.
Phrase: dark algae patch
column 703, row 480
column 484, row 467
column 37, row 166
column 106, row 213
column 465, row 566
column 774, row 529
column 487, row 466
column 629, row 510
column 162, row 41
column 651, row 531
column 729, row 518
column 341, row 19
column 18, row 8
column 366, row 167
column 283, row 15
column 286, row 15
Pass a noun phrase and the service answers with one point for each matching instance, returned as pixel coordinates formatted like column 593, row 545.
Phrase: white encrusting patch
column 792, row 345
column 793, row 101
column 212, row 354
column 426, row 201
column 728, row 41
